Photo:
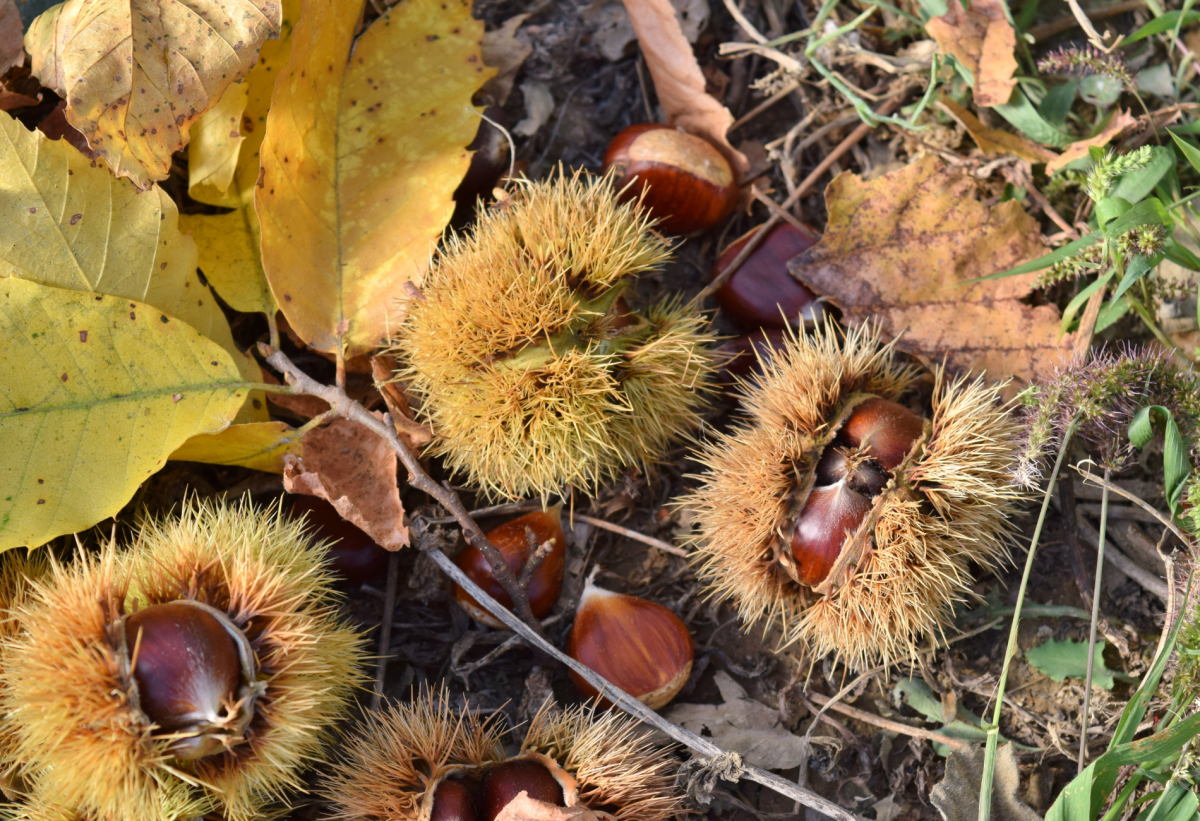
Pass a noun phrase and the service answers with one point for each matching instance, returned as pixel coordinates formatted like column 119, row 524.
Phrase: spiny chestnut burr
column 761, row 293
column 684, row 183
column 638, row 645
column 353, row 554
column 194, row 673
column 532, row 370
column 428, row 760
column 517, row 541
column 841, row 516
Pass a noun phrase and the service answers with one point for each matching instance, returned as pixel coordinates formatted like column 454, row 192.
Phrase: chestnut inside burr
column 456, row 800
column 855, row 468
column 506, row 781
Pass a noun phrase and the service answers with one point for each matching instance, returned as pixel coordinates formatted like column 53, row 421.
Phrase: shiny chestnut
column 689, row 185
column 831, row 515
column 506, row 781
column 761, row 293
column 352, row 553
column 513, row 540
column 456, row 800
column 886, row 430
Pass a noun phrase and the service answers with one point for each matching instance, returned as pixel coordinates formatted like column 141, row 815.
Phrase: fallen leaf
column 1062, row 659
column 229, row 259
column 300, row 404
column 993, row 141
column 56, row 127
column 957, row 796
column 12, row 99
column 354, row 470
column 524, row 808
column 12, row 47
column 98, row 391
column 70, row 224
column 1120, row 121
column 505, row 52
column 411, row 431
column 358, row 178
column 897, row 251
column 258, row 445
column 539, row 105
column 216, row 140
column 752, row 729
column 137, row 74
column 678, row 80
column 984, row 42
column 612, row 30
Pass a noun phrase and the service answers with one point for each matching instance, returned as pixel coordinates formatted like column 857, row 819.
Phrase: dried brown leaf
column 993, row 141
column 504, row 51
column 983, row 41
column 353, row 469
column 414, row 434
column 1121, row 121
column 678, row 80
column 12, row 47
column 12, row 99
column 897, row 251
column 957, row 795
column 524, row 808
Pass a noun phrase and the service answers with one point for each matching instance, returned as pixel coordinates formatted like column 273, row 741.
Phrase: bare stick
column 1087, row 687
column 665, row 547
column 417, row 477
column 1091, row 478
column 385, row 629
column 1150, row 583
column 895, row 726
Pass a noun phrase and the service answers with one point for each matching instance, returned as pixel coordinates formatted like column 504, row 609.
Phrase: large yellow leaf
column 96, row 392
column 259, row 445
column 361, row 160
column 216, row 139
column 67, row 222
column 229, row 243
column 136, row 74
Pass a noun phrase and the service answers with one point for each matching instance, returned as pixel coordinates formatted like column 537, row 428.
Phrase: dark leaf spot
column 83, row 336
column 76, row 218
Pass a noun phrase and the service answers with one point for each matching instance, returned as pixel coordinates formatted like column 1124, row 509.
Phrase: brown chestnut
column 352, row 553
column 830, row 517
column 689, row 186
column 761, row 293
column 513, row 542
column 886, row 429
column 506, row 781
column 638, row 645
column 743, row 354
column 454, row 800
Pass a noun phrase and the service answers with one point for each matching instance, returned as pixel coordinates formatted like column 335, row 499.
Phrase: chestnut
column 837, row 465
column 761, row 293
column 455, row 800
column 829, row 518
column 886, row 429
column 513, row 541
column 352, row 553
column 506, row 781
column 688, row 185
column 638, row 645
column 743, row 354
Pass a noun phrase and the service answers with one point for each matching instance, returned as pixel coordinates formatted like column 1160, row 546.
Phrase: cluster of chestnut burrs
column 200, row 669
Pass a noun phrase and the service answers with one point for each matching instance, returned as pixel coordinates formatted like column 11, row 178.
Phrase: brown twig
column 764, row 105
column 1066, row 495
column 632, row 534
column 715, row 758
column 537, row 554
column 1150, row 583
column 417, row 477
column 803, row 188
column 895, row 726
column 385, row 629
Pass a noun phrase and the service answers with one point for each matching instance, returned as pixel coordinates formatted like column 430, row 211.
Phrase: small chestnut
column 689, row 186
column 831, row 515
column 506, row 781
column 887, row 430
column 455, row 800
column 513, row 540
column 761, row 293
column 352, row 553
column 638, row 645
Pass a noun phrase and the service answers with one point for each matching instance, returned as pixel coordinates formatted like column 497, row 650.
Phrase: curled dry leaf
column 993, row 141
column 1121, row 121
column 414, row 434
column 137, row 74
column 984, row 42
column 524, row 808
column 12, row 49
column 897, row 251
column 504, row 51
column 354, row 470
column 678, row 80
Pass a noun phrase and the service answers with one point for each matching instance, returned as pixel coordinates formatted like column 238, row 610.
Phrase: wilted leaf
column 258, row 445
column 98, row 391
column 984, row 42
column 742, row 724
column 1062, row 659
column 957, row 796
column 12, row 50
column 524, row 808
column 13, row 99
column 678, row 80
column 993, row 141
column 505, row 52
column 361, row 160
column 216, row 140
column 414, row 434
column 355, row 470
column 136, row 74
column 70, row 224
column 897, row 249
column 1121, row 121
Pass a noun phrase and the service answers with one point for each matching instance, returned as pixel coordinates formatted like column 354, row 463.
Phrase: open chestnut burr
column 842, row 516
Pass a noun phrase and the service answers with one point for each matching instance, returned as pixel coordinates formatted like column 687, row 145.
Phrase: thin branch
column 665, row 547
column 417, row 477
column 385, row 629
column 1165, row 521
column 1087, row 687
column 895, row 726
column 1149, row 582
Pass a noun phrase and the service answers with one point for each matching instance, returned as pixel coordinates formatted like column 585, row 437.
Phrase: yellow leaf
column 361, row 161
column 260, row 445
column 98, row 390
column 136, row 74
column 216, row 139
column 69, row 224
column 993, row 141
column 229, row 259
